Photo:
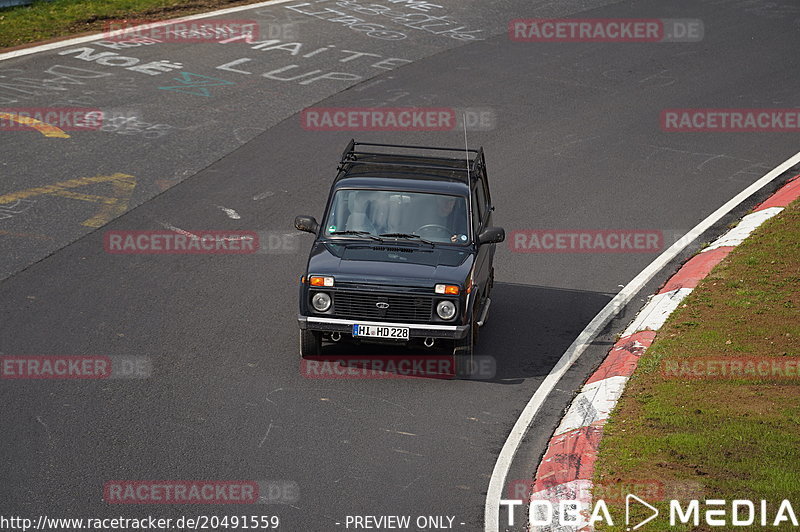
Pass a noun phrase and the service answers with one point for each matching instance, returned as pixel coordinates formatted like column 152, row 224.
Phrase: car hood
column 390, row 263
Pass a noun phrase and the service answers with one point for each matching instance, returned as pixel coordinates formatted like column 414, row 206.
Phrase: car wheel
column 310, row 343
column 464, row 352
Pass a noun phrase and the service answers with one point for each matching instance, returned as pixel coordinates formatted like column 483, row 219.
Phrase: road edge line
column 575, row 465
column 590, row 332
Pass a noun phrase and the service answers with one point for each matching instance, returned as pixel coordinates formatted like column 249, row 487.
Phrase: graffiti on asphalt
column 196, row 84
column 426, row 17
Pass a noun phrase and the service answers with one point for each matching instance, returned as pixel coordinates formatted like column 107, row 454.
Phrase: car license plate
column 375, row 331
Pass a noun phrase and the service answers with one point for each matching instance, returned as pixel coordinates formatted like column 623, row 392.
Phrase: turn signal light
column 449, row 289
column 321, row 281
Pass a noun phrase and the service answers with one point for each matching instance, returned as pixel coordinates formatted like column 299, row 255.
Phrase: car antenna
column 466, row 146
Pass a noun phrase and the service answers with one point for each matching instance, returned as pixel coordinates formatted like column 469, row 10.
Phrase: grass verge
column 42, row 21
column 685, row 432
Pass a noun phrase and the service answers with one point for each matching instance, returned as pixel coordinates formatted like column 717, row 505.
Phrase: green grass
column 714, row 438
column 47, row 20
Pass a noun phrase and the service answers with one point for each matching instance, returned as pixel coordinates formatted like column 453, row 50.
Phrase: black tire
column 310, row 343
column 464, row 352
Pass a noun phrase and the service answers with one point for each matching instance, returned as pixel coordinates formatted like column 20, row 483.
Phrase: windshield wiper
column 408, row 235
column 359, row 233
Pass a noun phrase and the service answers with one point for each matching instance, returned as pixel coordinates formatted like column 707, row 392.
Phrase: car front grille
column 411, row 307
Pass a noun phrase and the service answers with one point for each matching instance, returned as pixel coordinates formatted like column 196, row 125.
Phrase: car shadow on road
column 528, row 329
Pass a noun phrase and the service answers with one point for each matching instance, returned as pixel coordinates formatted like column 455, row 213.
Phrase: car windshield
column 399, row 214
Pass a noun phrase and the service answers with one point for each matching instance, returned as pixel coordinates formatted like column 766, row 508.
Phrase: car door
column 486, row 200
column 481, row 219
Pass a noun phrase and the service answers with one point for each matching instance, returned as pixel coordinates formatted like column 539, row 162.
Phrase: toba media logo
column 577, row 514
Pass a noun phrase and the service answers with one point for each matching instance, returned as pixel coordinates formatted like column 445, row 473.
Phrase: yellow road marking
column 42, row 127
column 123, row 190
column 110, row 206
column 57, row 187
column 83, row 197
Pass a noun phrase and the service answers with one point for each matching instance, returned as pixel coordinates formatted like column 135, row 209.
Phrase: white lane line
column 96, row 36
column 586, row 337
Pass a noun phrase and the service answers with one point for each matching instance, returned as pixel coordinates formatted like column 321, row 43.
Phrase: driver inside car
column 450, row 218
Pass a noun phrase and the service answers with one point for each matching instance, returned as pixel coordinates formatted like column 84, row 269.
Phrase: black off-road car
column 405, row 250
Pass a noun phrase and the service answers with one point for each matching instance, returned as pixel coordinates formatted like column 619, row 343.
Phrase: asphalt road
column 574, row 143
column 164, row 124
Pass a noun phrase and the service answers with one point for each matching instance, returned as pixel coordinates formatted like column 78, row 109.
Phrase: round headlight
column 321, row 301
column 446, row 310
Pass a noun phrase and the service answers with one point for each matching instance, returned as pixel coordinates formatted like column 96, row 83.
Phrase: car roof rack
column 457, row 167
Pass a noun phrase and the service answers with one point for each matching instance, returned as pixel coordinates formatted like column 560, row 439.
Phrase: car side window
column 477, row 212
column 482, row 201
column 485, row 188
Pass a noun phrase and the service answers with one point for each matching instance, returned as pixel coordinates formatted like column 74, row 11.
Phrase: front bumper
column 415, row 330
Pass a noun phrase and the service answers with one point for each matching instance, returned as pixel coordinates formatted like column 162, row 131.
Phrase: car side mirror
column 492, row 235
column 306, row 223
